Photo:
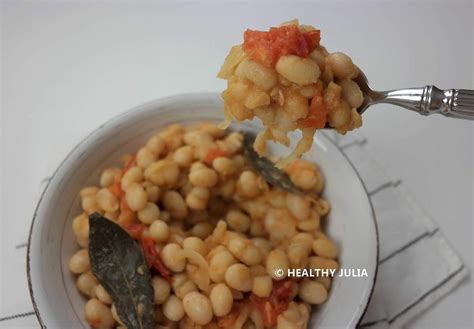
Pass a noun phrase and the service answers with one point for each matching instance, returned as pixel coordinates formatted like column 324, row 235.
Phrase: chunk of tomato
column 271, row 307
column 268, row 47
column 212, row 154
column 153, row 259
column 318, row 112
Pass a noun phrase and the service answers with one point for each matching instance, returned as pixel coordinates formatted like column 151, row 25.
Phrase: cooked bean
column 299, row 249
column 325, row 248
column 106, row 200
column 161, row 289
column 99, row 315
column 324, row 280
column 103, row 295
column 159, row 231
column 226, row 188
column 108, row 176
column 136, row 197
column 182, row 285
column 341, row 65
column 277, row 264
column 262, row 76
column 318, row 56
column 87, row 283
column 302, row 174
column 79, row 262
column 249, row 184
column 224, row 166
column 175, row 204
column 198, row 198
column 173, row 308
column 196, row 244
column 203, row 177
column 80, row 226
column 201, row 230
column 351, row 93
column 310, row 224
column 145, row 157
column 322, row 263
column 238, row 221
column 153, row 192
column 262, row 286
column 164, row 173
column 89, row 203
column 258, row 270
column 149, row 214
column 238, row 277
column 132, row 175
column 340, row 116
column 171, row 258
column 232, row 143
column 298, row 206
column 221, row 299
column 90, row 190
column 312, row 292
column 156, row 145
column 296, row 106
column 323, row 207
column 280, row 224
column 256, row 98
column 219, row 264
column 245, row 251
column 263, row 245
column 212, row 129
column 198, row 307
column 183, row 156
column 302, row 71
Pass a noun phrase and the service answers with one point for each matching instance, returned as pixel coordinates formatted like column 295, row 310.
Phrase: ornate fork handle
column 455, row 103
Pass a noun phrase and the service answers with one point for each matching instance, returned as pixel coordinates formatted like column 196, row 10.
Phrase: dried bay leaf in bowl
column 265, row 168
column 118, row 263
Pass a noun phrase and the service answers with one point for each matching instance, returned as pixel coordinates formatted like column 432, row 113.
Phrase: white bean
column 351, row 93
column 221, row 299
column 79, row 262
column 238, row 277
column 98, row 314
column 161, row 289
column 173, row 308
column 341, row 65
column 302, row 71
column 198, row 307
column 260, row 75
column 312, row 292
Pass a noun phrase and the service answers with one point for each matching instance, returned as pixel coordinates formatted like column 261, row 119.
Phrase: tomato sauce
column 271, row 307
column 268, row 47
column 153, row 259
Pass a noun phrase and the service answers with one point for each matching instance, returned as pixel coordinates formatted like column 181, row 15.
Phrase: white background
column 69, row 66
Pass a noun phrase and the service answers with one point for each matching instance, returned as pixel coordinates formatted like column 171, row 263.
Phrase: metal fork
column 454, row 103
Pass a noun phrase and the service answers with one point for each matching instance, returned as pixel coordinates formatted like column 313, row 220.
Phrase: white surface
column 67, row 68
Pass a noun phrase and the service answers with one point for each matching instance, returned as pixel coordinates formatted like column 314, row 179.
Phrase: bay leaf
column 265, row 168
column 118, row 263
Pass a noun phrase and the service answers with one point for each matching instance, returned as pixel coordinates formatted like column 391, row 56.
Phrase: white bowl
column 56, row 300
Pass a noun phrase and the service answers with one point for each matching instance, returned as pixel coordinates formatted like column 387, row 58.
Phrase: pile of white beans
column 219, row 228
column 280, row 96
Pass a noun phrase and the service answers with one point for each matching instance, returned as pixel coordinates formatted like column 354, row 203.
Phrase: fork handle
column 455, row 103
